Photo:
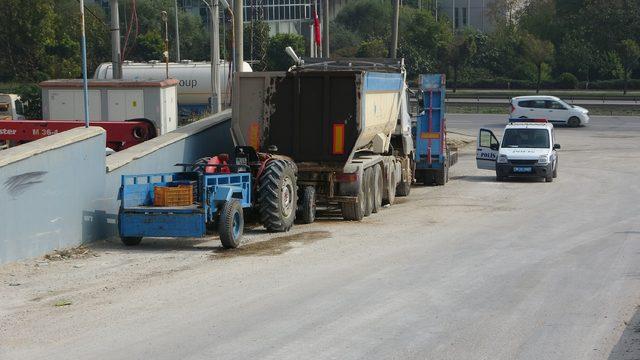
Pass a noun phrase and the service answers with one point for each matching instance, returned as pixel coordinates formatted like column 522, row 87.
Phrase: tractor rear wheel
column 278, row 195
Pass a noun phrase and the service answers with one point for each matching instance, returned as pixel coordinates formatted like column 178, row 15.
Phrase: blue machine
column 220, row 199
column 433, row 157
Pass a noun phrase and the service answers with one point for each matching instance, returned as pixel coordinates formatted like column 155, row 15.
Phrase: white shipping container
column 113, row 100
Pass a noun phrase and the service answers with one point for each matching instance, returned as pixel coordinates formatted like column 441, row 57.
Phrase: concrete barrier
column 61, row 191
column 45, row 186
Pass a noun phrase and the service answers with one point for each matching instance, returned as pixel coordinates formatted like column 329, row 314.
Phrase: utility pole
column 85, row 82
column 394, row 31
column 238, row 24
column 177, row 34
column 325, row 27
column 115, row 40
column 214, row 42
column 420, row 4
column 453, row 15
column 165, row 19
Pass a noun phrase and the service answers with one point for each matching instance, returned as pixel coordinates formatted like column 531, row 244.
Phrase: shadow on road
column 474, row 178
column 628, row 347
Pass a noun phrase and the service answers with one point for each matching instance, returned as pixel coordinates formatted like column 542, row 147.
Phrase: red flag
column 316, row 27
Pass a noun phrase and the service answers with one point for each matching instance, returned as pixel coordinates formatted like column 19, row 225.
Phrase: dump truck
column 342, row 125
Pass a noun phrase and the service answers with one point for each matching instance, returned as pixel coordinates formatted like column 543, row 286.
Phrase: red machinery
column 120, row 134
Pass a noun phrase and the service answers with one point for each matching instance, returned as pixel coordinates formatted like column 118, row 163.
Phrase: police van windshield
column 526, row 138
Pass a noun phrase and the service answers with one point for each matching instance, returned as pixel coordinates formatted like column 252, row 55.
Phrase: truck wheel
column 368, row 191
column 231, row 224
column 378, row 188
column 355, row 211
column 403, row 188
column 277, row 195
column 389, row 196
column 574, row 121
column 441, row 175
column 307, row 208
column 131, row 240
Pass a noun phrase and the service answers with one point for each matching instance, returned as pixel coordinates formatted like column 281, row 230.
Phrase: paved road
column 505, row 101
column 474, row 270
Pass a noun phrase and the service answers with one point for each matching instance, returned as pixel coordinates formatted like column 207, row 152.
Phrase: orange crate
column 181, row 195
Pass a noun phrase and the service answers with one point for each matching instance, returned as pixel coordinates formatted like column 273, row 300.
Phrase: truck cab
column 11, row 107
column 527, row 149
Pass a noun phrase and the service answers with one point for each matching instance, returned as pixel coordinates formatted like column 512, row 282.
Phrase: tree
column 374, row 48
column 149, row 46
column 369, row 19
column 576, row 55
column 256, row 43
column 277, row 59
column 629, row 54
column 458, row 52
column 537, row 52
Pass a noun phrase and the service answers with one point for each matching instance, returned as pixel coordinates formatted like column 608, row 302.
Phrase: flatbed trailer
column 120, row 134
column 218, row 202
column 433, row 157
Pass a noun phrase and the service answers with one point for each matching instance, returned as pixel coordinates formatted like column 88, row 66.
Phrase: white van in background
column 550, row 108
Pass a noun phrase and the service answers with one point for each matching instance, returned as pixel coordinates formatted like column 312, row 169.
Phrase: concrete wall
column 44, row 188
column 60, row 191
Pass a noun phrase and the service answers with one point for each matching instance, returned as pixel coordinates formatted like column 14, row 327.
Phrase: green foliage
column 368, row 19
column 568, row 81
column 537, row 52
column 31, row 98
column 344, row 42
column 374, row 48
column 458, row 52
column 256, row 43
column 276, row 56
column 149, row 46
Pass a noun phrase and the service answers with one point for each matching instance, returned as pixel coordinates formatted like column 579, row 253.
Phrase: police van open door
column 487, row 151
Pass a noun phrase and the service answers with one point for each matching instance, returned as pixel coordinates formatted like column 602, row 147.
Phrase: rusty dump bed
column 315, row 116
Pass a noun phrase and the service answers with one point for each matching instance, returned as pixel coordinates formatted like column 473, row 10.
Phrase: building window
column 465, row 16
column 457, row 18
column 277, row 10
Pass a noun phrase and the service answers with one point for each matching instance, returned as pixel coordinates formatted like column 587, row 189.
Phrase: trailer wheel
column 404, row 188
column 442, row 175
column 277, row 195
column 231, row 224
column 378, row 188
column 368, row 191
column 390, row 194
column 131, row 240
column 355, row 211
column 307, row 208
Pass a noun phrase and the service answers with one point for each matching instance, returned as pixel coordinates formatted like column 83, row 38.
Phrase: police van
column 528, row 149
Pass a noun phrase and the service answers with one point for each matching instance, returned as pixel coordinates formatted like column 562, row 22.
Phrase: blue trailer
column 433, row 157
column 219, row 201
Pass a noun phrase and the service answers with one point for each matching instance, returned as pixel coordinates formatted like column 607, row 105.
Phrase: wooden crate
column 181, row 195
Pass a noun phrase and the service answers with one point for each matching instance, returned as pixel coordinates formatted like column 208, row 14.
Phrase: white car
column 550, row 108
column 528, row 149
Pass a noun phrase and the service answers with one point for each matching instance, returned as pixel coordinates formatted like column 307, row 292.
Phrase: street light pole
column 115, row 40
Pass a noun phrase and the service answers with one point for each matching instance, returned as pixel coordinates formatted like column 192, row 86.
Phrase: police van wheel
column 555, row 170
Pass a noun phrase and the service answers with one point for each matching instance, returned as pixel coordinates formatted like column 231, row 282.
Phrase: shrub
column 567, row 81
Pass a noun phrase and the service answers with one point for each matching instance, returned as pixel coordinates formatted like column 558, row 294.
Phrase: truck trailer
column 340, row 122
